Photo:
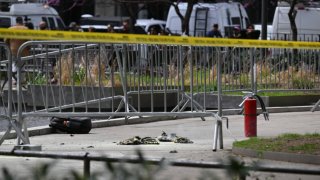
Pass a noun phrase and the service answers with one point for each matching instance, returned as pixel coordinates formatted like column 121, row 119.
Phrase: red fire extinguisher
column 250, row 117
column 249, row 110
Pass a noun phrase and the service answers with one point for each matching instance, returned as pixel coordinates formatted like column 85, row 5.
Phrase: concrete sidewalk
column 104, row 141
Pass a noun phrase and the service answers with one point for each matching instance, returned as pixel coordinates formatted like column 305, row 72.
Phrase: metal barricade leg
column 22, row 136
column 13, row 124
column 217, row 137
column 4, row 136
column 122, row 70
column 315, row 106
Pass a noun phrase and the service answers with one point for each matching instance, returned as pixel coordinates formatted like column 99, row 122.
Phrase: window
column 45, row 20
column 247, row 21
column 235, row 21
column 52, row 25
column 155, row 27
column 5, row 22
column 61, row 25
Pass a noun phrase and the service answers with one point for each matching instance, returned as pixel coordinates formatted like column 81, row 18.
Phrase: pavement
column 103, row 141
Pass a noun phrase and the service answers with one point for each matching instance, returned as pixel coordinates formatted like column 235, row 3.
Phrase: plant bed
column 286, row 147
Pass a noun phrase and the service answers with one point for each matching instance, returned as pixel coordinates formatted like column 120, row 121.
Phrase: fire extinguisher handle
column 247, row 95
column 241, row 104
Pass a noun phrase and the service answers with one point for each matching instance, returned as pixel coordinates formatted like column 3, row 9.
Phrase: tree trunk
column 186, row 19
column 292, row 16
column 131, row 9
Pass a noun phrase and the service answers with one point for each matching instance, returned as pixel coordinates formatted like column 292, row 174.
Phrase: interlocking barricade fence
column 116, row 78
column 73, row 79
column 120, row 75
column 288, row 37
column 5, row 114
column 8, row 121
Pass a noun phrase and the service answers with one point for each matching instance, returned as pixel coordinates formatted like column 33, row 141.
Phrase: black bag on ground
column 71, row 125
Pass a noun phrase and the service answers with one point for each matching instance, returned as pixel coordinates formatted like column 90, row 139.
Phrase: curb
column 43, row 130
column 278, row 156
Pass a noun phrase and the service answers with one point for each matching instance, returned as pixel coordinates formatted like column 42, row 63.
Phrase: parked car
column 100, row 28
column 148, row 24
column 101, row 24
column 227, row 15
column 306, row 21
column 87, row 20
column 34, row 13
column 269, row 30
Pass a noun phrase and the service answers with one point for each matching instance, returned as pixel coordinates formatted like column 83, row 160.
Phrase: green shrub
column 302, row 83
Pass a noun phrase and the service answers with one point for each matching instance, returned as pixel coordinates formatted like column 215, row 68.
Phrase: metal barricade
column 289, row 70
column 125, row 80
column 121, row 68
column 108, row 80
column 7, row 107
column 261, row 70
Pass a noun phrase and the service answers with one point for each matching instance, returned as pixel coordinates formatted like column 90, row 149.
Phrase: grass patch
column 291, row 143
column 288, row 93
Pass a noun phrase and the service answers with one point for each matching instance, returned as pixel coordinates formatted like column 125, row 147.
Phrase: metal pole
column 253, row 72
column 220, row 57
column 264, row 19
column 19, row 98
column 189, row 52
column 180, row 75
column 218, row 126
column 9, row 82
column 86, row 168
column 220, row 133
column 20, row 122
column 165, row 65
column 215, row 136
column 124, row 75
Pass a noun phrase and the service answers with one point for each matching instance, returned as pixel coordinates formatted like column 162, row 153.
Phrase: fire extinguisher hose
column 263, row 107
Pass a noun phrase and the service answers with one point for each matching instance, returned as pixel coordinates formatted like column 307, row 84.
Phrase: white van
column 307, row 21
column 147, row 24
column 258, row 27
column 227, row 15
column 142, row 26
column 34, row 13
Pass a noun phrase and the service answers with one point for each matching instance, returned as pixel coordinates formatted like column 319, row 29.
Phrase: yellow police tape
column 148, row 39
